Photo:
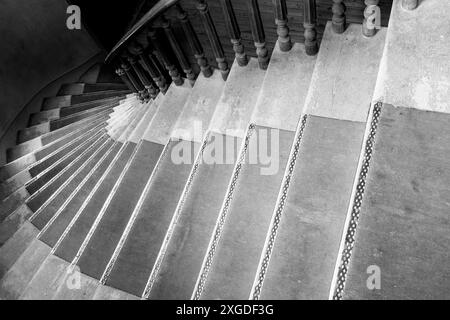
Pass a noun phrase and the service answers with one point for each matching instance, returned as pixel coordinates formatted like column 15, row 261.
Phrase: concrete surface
column 404, row 224
column 20, row 274
column 308, row 236
column 199, row 109
column 248, row 218
column 235, row 106
column 167, row 115
column 415, row 69
column 285, row 87
column 181, row 258
column 345, row 75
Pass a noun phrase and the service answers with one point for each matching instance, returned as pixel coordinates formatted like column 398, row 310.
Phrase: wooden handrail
column 158, row 8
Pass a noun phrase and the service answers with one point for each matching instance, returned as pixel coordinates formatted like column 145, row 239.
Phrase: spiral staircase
column 288, row 179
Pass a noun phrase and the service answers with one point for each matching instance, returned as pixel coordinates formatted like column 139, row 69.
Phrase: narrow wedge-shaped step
column 63, row 126
column 37, row 168
column 71, row 243
column 54, row 114
column 15, row 246
column 80, row 88
column 399, row 227
column 201, row 203
column 65, row 194
column 60, row 170
column 302, row 242
column 146, row 228
column 116, row 212
column 245, row 215
column 70, row 200
column 66, row 101
column 21, row 163
column 85, row 217
column 44, row 127
column 48, row 138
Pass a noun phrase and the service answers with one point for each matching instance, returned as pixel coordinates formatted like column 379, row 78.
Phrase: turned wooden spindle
column 310, row 18
column 147, row 63
column 281, row 20
column 184, row 63
column 121, row 73
column 410, row 4
column 194, row 42
column 161, row 52
column 338, row 20
column 234, row 32
column 213, row 37
column 259, row 36
column 142, row 75
column 369, row 27
column 143, row 94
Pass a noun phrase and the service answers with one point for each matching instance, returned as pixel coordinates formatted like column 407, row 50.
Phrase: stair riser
column 67, row 101
column 80, row 88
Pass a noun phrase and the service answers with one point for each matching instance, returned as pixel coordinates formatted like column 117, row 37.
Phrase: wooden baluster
column 121, row 73
column 184, row 63
column 339, row 20
column 147, row 63
column 142, row 75
column 143, row 94
column 213, row 37
column 160, row 51
column 259, row 36
column 410, row 4
column 194, row 43
column 281, row 20
column 234, row 32
column 311, row 45
column 370, row 16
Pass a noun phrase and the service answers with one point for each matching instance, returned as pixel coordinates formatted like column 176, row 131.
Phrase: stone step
column 146, row 227
column 180, row 268
column 38, row 143
column 418, row 80
column 69, row 123
column 53, row 114
column 23, row 177
column 331, row 132
column 77, row 186
column 401, row 231
column 115, row 214
column 14, row 167
column 58, row 171
column 80, row 88
column 69, row 100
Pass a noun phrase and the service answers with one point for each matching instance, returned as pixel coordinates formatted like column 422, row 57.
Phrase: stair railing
column 149, row 55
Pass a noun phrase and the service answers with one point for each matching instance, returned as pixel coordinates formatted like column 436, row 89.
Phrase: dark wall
column 37, row 48
column 108, row 20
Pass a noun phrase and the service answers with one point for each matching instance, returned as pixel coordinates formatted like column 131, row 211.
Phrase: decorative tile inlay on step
column 403, row 232
column 303, row 242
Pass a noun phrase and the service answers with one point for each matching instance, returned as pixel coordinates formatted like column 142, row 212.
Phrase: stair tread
column 404, row 217
column 345, row 74
column 247, row 221
column 235, row 107
column 313, row 216
column 418, row 80
column 285, row 88
column 192, row 229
